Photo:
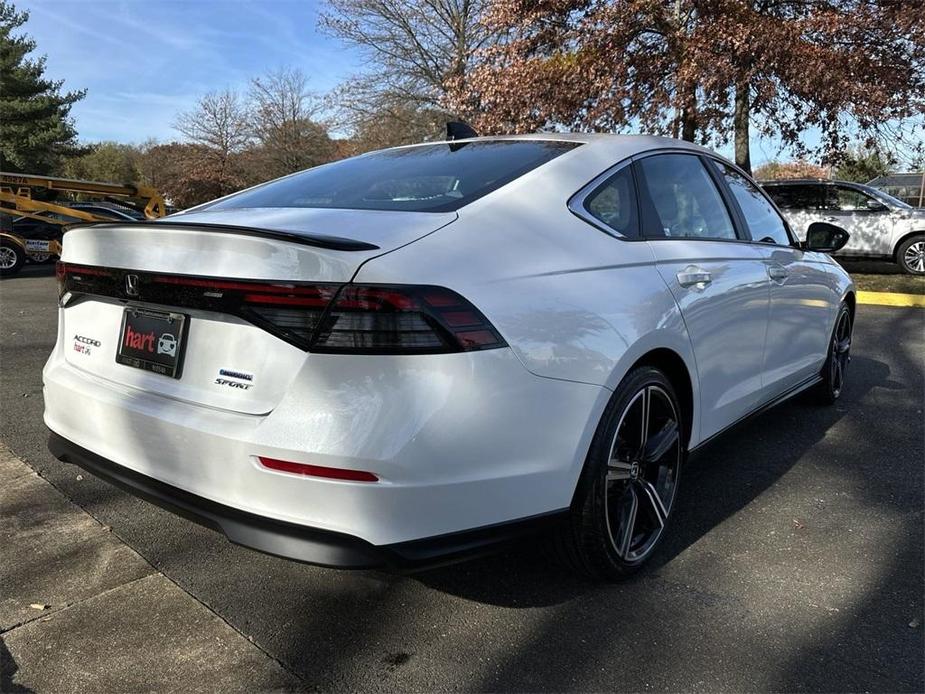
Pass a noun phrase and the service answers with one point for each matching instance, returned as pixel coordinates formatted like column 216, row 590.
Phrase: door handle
column 831, row 220
column 778, row 273
column 692, row 275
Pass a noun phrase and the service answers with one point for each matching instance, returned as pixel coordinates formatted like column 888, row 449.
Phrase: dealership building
column 908, row 187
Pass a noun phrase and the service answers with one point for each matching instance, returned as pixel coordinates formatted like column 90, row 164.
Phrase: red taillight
column 397, row 319
column 333, row 473
column 65, row 272
column 316, row 317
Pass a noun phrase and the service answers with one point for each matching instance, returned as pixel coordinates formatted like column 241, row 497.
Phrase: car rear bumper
column 293, row 541
column 456, row 442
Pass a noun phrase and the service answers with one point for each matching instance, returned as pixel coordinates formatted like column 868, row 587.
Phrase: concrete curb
column 891, row 299
column 82, row 611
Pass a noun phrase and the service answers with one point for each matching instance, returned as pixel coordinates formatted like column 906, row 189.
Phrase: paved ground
column 81, row 611
column 796, row 562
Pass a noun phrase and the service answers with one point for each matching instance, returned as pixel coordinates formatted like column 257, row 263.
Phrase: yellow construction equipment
column 46, row 198
column 17, row 196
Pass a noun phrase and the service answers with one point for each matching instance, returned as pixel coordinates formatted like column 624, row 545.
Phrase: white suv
column 880, row 226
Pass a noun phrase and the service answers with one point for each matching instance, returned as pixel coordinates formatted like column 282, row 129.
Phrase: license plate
column 152, row 340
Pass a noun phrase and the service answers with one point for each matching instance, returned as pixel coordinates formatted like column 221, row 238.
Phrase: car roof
column 809, row 181
column 620, row 145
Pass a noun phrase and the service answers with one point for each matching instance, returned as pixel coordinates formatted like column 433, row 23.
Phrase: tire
column 12, row 258
column 835, row 368
column 615, row 523
column 910, row 256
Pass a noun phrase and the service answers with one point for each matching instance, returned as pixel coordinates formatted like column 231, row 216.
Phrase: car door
column 867, row 220
column 718, row 280
column 803, row 292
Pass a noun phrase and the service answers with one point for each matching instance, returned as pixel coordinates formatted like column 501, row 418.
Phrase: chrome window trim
column 794, row 243
column 576, row 203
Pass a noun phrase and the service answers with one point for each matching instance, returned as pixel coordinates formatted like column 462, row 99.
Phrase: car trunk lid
column 250, row 293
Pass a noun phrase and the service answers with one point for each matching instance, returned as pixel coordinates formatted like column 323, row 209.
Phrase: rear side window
column 764, row 223
column 614, row 203
column 427, row 178
column 684, row 199
column 797, row 197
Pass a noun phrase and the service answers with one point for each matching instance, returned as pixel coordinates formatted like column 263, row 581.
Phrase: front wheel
column 911, row 255
column 835, row 368
column 12, row 257
column 630, row 480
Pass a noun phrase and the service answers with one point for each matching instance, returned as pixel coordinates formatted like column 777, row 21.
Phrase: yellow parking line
column 891, row 299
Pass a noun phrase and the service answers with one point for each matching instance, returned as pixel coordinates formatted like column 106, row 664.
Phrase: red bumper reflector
column 333, row 473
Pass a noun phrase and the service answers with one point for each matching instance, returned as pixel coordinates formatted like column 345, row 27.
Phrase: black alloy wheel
column 835, row 369
column 630, row 480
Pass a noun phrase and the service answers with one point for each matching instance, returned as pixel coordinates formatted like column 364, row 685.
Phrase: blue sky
column 142, row 62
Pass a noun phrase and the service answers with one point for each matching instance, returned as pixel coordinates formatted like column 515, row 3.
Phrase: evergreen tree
column 35, row 127
column 863, row 164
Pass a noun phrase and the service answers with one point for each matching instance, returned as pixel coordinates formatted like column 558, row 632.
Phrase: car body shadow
column 8, row 670
column 720, row 480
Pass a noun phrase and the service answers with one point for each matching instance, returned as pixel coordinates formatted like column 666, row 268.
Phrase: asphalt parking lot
column 795, row 564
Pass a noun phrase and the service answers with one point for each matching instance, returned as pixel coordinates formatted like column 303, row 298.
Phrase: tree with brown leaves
column 701, row 68
column 776, row 170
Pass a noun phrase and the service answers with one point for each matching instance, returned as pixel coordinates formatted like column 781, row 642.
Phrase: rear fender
column 676, row 340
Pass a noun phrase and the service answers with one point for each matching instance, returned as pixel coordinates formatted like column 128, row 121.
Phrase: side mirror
column 875, row 205
column 825, row 238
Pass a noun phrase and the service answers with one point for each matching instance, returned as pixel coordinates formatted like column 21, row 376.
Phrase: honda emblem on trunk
column 131, row 285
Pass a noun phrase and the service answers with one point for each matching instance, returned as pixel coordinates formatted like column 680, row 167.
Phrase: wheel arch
column 902, row 239
column 852, row 302
column 12, row 238
column 674, row 367
column 672, row 364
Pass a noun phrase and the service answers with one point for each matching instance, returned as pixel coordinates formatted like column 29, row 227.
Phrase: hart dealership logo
column 84, row 345
column 140, row 341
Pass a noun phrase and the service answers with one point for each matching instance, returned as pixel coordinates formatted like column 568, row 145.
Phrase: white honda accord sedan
column 407, row 356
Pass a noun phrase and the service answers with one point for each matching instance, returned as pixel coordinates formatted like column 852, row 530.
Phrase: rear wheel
column 12, row 257
column 911, row 255
column 630, row 481
column 836, row 364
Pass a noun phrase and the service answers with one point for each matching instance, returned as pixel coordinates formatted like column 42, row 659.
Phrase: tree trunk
column 740, row 119
column 688, row 124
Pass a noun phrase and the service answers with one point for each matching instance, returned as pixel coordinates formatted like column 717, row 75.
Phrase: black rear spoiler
column 335, row 243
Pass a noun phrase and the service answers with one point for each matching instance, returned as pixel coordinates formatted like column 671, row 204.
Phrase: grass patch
column 874, row 276
column 900, row 284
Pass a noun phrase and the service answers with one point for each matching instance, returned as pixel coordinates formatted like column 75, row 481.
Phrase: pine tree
column 35, row 127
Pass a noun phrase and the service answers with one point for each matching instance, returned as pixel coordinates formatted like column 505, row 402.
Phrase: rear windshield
column 428, row 178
